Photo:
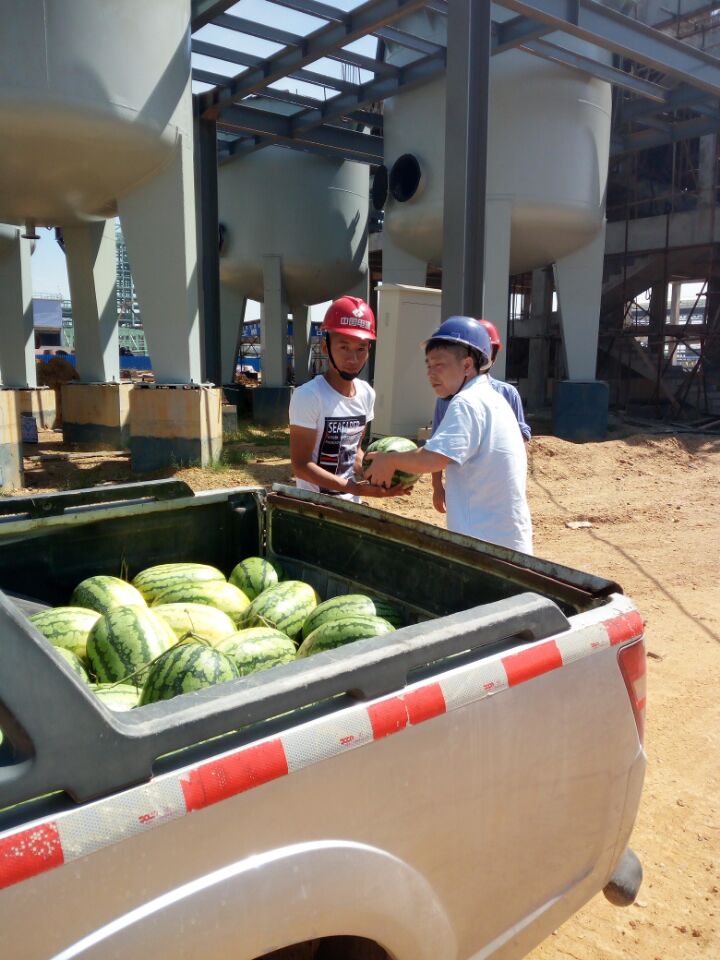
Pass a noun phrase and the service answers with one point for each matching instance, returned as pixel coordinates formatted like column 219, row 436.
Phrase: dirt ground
column 653, row 503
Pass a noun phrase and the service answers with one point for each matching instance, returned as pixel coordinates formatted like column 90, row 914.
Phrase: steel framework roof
column 312, row 75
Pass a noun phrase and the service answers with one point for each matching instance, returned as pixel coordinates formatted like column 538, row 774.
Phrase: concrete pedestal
column 172, row 425
column 11, row 464
column 271, row 406
column 96, row 415
column 39, row 402
column 580, row 409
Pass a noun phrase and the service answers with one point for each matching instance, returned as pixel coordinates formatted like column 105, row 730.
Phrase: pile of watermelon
column 179, row 627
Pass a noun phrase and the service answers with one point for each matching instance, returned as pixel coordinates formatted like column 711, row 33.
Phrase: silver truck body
column 461, row 816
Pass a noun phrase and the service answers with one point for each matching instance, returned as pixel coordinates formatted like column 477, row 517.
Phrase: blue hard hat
column 466, row 331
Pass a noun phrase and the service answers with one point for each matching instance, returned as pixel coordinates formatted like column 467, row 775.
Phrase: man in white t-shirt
column 329, row 414
column 478, row 443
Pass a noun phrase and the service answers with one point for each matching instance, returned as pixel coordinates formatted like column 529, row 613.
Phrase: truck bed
column 452, row 790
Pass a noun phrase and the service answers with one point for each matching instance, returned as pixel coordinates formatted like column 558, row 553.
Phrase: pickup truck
column 453, row 790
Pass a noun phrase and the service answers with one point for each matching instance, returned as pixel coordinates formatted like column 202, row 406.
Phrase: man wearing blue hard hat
column 477, row 444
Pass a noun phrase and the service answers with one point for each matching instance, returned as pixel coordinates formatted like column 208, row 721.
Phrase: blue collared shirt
column 506, row 390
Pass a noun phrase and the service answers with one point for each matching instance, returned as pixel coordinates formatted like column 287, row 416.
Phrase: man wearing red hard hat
column 329, row 414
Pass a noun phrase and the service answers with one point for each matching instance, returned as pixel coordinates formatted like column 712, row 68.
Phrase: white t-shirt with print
column 339, row 423
column 485, row 485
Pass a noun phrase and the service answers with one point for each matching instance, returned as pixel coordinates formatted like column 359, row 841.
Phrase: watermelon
column 102, row 593
column 124, row 641
column 394, row 445
column 189, row 666
column 117, row 696
column 254, row 575
column 67, row 627
column 285, row 607
column 224, row 596
column 153, row 580
column 257, row 648
column 336, row 633
column 350, row 604
column 197, row 618
column 75, row 663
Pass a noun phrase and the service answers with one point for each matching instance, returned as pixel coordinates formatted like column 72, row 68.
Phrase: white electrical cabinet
column 405, row 400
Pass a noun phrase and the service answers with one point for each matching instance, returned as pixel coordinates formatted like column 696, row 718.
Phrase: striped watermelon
column 285, row 607
column 75, row 662
column 257, row 648
column 124, row 641
column 117, row 696
column 336, row 633
column 67, row 627
column 226, row 597
column 351, row 604
column 197, row 618
column 102, row 593
column 254, row 575
column 153, row 580
column 189, row 666
column 394, row 445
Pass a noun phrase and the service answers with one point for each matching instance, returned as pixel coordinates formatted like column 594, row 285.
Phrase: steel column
column 466, row 134
column 208, row 247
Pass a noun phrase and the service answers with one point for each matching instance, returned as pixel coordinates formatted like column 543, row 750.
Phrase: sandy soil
column 654, row 505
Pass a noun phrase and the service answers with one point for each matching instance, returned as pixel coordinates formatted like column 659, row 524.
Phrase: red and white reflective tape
column 24, row 853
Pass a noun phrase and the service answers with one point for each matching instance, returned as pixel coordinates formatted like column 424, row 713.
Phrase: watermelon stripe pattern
column 187, row 667
column 74, row 662
column 67, row 627
column 29, row 851
column 125, row 640
column 347, row 605
column 343, row 630
column 154, row 580
column 284, row 607
column 224, row 596
column 258, row 648
column 254, row 575
column 117, row 697
column 102, row 593
column 394, row 445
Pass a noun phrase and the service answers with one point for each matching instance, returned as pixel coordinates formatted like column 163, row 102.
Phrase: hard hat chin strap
column 341, row 373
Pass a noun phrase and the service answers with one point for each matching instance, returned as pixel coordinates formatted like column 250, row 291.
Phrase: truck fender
column 282, row 897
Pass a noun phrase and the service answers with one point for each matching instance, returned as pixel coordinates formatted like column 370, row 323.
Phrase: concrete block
column 271, row 406
column 39, row 402
column 229, row 418
column 96, row 416
column 580, row 409
column 11, row 464
column 172, row 425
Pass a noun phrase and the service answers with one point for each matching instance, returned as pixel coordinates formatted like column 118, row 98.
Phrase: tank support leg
column 232, row 315
column 159, row 226
column 274, row 325
column 92, row 274
column 578, row 279
column 301, row 343
column 16, row 313
column 498, row 215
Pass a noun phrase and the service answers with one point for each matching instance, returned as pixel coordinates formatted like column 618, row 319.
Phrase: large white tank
column 548, row 146
column 308, row 210
column 87, row 93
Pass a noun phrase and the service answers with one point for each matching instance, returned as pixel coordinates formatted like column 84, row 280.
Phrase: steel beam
column 409, row 40
column 259, row 30
column 646, row 139
column 368, row 18
column 613, row 31
column 208, row 247
column 412, row 76
column 205, row 11
column 558, row 54
column 513, row 33
column 466, row 138
column 676, row 99
column 261, row 123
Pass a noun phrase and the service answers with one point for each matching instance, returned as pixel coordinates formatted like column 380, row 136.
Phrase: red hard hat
column 351, row 316
column 492, row 331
